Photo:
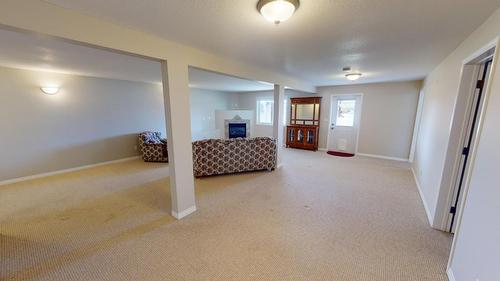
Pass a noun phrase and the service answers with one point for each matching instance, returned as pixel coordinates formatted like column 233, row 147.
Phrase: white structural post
column 278, row 128
column 175, row 78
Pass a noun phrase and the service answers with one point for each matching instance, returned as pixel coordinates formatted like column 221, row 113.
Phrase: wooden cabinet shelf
column 305, row 137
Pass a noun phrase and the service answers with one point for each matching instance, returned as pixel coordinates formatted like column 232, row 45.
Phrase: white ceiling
column 386, row 40
column 219, row 82
column 28, row 51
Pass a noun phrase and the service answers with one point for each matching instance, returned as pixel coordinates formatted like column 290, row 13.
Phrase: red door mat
column 340, row 154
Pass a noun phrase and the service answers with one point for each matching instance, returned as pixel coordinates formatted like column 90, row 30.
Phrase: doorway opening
column 474, row 106
column 345, row 118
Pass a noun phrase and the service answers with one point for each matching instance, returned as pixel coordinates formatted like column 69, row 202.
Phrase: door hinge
column 453, row 210
column 480, row 84
column 465, row 151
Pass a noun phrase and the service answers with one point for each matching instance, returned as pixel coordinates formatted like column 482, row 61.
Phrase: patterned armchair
column 153, row 147
column 215, row 156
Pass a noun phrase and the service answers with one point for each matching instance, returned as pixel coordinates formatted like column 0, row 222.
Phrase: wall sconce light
column 50, row 90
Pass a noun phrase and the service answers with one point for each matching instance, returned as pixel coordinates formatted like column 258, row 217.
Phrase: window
column 265, row 111
column 345, row 112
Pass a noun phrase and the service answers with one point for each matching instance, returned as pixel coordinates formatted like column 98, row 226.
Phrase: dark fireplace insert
column 237, row 130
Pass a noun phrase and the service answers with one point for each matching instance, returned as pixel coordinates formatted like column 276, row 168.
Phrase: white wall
column 204, row 103
column 387, row 119
column 477, row 247
column 90, row 120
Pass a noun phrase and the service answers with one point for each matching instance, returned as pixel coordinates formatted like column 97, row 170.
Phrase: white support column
column 177, row 115
column 278, row 129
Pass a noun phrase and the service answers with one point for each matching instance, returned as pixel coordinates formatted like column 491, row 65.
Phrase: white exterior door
column 344, row 123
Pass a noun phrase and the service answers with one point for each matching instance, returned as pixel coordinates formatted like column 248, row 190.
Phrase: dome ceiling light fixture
column 50, row 90
column 353, row 76
column 277, row 10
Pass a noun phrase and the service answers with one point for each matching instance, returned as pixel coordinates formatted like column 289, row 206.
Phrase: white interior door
column 344, row 123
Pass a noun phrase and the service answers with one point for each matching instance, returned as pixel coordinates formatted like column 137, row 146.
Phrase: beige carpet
column 317, row 218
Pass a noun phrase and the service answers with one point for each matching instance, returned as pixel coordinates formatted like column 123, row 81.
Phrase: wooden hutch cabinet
column 303, row 131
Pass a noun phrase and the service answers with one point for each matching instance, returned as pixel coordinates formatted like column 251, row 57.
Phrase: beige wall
column 387, row 119
column 91, row 120
column 477, row 250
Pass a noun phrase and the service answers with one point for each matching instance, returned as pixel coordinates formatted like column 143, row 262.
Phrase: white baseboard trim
column 427, row 210
column 43, row 175
column 383, row 157
column 323, row 149
column 184, row 213
column 450, row 274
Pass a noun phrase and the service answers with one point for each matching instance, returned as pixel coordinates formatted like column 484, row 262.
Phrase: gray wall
column 91, row 120
column 204, row 103
column 387, row 119
column 248, row 101
column 477, row 249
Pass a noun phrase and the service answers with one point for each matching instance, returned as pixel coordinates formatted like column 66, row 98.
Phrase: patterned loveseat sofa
column 216, row 156
column 153, row 147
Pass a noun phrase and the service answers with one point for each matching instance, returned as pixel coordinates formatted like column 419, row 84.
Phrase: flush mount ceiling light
column 50, row 90
column 277, row 10
column 353, row 76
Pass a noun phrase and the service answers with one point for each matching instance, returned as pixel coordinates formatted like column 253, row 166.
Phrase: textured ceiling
column 386, row 40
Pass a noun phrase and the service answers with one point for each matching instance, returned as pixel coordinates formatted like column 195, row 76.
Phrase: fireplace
column 237, row 130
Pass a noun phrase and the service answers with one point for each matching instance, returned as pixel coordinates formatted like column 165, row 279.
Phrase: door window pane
column 345, row 113
column 310, row 136
column 300, row 135
column 291, row 135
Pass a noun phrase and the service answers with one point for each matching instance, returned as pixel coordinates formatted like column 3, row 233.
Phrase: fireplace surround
column 236, row 128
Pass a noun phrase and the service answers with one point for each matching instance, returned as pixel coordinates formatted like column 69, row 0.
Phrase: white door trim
column 360, row 117
column 416, row 126
column 493, row 44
